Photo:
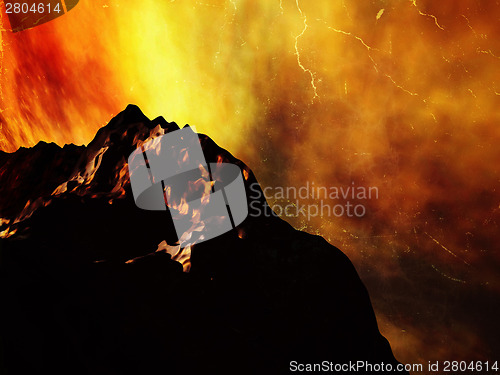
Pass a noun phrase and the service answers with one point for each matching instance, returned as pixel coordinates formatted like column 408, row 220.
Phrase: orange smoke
column 398, row 95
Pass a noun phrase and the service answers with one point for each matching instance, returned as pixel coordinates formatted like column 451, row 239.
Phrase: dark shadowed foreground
column 255, row 299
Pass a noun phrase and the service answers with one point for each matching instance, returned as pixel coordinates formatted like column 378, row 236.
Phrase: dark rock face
column 255, row 299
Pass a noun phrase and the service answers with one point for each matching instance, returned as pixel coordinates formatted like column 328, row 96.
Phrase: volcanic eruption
column 91, row 287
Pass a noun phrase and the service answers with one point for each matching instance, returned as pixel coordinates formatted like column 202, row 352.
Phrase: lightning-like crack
column 445, row 248
column 448, row 276
column 401, row 87
column 472, row 93
column 369, row 49
column 297, row 53
column 346, row 10
column 487, row 52
column 208, row 5
column 350, row 34
column 226, row 22
column 414, row 2
column 468, row 24
column 483, row 36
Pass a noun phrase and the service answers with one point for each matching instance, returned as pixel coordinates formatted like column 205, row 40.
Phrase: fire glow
column 398, row 95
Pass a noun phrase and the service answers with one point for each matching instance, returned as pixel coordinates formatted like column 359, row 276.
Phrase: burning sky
column 401, row 95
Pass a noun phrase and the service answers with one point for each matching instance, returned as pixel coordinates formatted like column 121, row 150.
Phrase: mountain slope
column 87, row 292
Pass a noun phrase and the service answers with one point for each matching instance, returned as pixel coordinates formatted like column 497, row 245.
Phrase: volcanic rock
column 86, row 292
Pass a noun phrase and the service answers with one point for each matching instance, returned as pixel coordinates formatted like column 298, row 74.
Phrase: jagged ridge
column 255, row 299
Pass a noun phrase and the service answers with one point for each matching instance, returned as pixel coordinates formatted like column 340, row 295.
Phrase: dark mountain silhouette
column 255, row 299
